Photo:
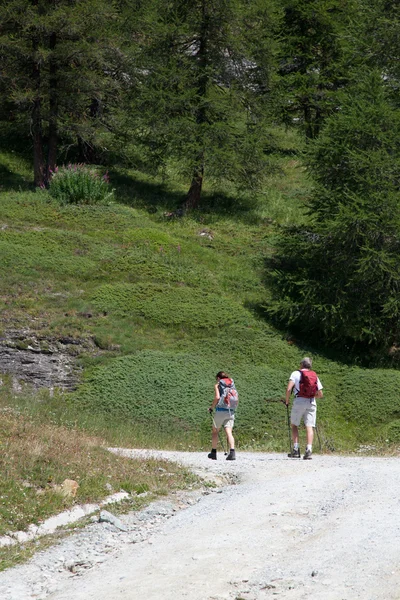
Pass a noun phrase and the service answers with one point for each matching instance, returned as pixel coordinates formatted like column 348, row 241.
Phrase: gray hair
column 306, row 363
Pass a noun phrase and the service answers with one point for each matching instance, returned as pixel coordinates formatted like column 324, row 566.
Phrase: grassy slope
column 171, row 307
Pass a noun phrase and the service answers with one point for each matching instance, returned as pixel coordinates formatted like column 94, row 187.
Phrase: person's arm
column 216, row 398
column 289, row 391
column 320, row 393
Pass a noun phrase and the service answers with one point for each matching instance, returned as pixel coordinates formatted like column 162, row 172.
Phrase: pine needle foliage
column 203, row 83
column 58, row 73
column 338, row 278
column 315, row 58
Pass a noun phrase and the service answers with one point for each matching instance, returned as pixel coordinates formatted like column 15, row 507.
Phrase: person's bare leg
column 229, row 437
column 295, row 434
column 309, row 435
column 215, row 437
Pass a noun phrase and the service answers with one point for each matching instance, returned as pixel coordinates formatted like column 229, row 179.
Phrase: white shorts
column 304, row 408
column 223, row 418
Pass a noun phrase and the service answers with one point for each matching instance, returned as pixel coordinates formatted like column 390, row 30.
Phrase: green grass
column 170, row 307
column 37, row 456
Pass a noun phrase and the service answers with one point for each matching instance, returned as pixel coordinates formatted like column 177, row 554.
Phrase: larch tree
column 205, row 76
column 58, row 62
column 315, row 59
column 336, row 278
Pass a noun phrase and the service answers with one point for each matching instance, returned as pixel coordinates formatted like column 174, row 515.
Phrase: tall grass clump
column 80, row 184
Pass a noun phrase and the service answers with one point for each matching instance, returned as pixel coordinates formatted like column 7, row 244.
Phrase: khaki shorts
column 223, row 418
column 304, row 409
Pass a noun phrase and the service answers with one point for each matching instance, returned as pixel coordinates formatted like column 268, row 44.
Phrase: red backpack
column 308, row 384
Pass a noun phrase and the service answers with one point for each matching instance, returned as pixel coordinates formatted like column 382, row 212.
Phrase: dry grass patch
column 37, row 457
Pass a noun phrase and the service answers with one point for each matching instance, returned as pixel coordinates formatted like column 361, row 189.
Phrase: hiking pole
column 319, row 439
column 328, row 443
column 283, row 400
column 289, row 428
column 219, row 434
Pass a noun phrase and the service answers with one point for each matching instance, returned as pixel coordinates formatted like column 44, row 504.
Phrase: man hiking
column 307, row 387
column 225, row 402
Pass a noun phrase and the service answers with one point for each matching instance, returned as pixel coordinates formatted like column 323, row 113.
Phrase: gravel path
column 327, row 529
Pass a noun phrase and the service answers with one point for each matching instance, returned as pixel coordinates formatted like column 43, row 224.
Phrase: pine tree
column 338, row 278
column 203, row 83
column 57, row 61
column 377, row 40
column 315, row 59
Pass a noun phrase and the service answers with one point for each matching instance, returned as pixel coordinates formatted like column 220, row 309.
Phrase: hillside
column 131, row 310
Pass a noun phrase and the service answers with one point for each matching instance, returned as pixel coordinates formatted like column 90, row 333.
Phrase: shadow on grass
column 143, row 194
column 16, row 158
column 10, row 181
column 153, row 197
column 354, row 355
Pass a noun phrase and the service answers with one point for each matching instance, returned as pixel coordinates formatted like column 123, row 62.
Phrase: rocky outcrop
column 42, row 361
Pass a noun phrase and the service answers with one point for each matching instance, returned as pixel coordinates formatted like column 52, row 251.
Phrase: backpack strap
column 298, row 391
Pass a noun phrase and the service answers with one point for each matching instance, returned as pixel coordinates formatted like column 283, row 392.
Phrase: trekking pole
column 283, row 400
column 289, row 428
column 325, row 442
column 319, row 439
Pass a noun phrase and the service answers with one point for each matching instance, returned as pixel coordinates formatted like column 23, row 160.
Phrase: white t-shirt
column 295, row 377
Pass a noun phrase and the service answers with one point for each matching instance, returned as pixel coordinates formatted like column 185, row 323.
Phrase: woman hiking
column 225, row 402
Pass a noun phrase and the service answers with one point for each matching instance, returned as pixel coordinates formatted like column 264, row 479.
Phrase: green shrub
column 368, row 396
column 393, row 431
column 168, row 305
column 79, row 184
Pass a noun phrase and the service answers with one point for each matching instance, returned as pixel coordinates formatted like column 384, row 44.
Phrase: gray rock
column 108, row 517
column 39, row 361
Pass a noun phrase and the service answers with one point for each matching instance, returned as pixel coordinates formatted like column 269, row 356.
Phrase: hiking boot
column 231, row 455
column 212, row 455
column 308, row 455
column 294, row 453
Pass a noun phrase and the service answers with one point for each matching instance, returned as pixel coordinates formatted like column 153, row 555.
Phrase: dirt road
column 327, row 529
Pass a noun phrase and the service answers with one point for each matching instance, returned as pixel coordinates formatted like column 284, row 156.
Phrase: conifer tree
column 377, row 40
column 337, row 279
column 315, row 59
column 204, row 82
column 56, row 63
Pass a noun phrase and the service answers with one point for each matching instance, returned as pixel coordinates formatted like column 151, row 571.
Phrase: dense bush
column 393, row 431
column 80, row 184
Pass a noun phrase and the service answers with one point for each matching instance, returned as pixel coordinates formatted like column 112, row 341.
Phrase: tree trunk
column 194, row 194
column 308, row 119
column 53, row 116
column 87, row 151
column 37, row 133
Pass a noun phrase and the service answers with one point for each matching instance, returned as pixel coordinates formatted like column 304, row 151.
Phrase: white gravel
column 327, row 529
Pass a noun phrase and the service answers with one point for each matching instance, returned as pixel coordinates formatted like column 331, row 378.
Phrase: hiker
column 225, row 402
column 307, row 387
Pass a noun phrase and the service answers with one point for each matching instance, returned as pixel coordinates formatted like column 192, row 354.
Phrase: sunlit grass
column 38, row 454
